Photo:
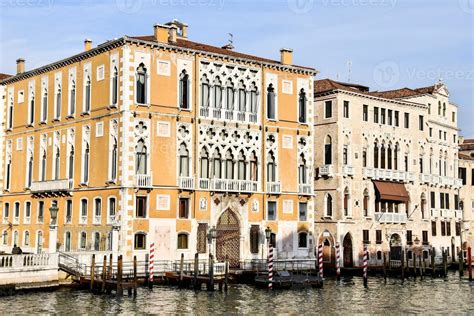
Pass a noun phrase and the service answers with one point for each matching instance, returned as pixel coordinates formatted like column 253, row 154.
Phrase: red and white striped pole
column 320, row 258
column 365, row 264
column 338, row 262
column 152, row 262
column 270, row 266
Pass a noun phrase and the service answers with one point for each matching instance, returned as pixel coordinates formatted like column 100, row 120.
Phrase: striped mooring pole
column 320, row 258
column 338, row 262
column 151, row 265
column 365, row 264
column 270, row 266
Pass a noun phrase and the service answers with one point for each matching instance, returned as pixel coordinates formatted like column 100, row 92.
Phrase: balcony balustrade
column 143, row 181
column 458, row 214
column 326, row 170
column 274, row 187
column 228, row 185
column 83, row 220
column 435, row 213
column 186, row 183
column 304, row 189
column 389, row 218
column 425, row 178
column 228, row 115
column 97, row 220
column 52, row 187
column 348, row 170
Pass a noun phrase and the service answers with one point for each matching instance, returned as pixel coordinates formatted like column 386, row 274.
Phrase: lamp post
column 461, row 208
column 268, row 235
column 211, row 234
column 53, row 227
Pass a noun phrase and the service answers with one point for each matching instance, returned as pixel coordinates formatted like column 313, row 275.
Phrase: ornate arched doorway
column 327, row 241
column 395, row 247
column 347, row 254
column 228, row 238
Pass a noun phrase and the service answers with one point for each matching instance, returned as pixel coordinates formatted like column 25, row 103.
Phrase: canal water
column 345, row 297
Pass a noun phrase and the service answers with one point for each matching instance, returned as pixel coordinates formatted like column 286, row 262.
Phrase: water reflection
column 346, row 296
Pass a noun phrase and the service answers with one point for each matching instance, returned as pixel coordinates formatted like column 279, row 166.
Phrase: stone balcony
column 391, row 218
column 388, row 175
column 186, row 183
column 305, row 189
column 143, row 181
column 435, row 213
column 52, row 187
column 228, row 185
column 228, row 115
column 273, row 187
column 326, row 171
column 347, row 170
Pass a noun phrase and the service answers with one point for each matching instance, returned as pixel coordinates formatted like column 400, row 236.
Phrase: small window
column 140, row 241
column 346, row 109
column 271, row 104
column 409, row 237
column 376, row 115
column 100, row 73
column 99, row 129
column 365, row 236
column 378, row 236
column 141, row 207
column 365, row 113
column 303, row 240
column 407, row 120
column 421, row 122
column 328, row 109
column 303, row 211
column 389, row 117
column 254, row 238
column 271, row 210
column 40, row 211
column 397, row 119
column 182, row 241
column 83, row 241
column 183, row 208
column 382, row 116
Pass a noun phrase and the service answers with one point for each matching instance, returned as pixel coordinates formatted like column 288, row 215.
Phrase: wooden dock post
column 445, row 263
column 92, row 272
column 110, row 272
column 469, row 263
column 104, row 273
column 135, row 277
column 402, row 265
column 433, row 267
column 119, row 276
column 385, row 266
column 420, row 266
column 210, row 285
column 181, row 270
column 196, row 271
column 226, row 274
column 461, row 263
column 414, row 264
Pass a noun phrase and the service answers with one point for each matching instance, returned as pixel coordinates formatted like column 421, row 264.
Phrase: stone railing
column 274, row 187
column 143, row 181
column 186, row 183
column 28, row 269
column 326, row 171
column 52, row 185
column 388, row 175
column 348, row 170
column 304, row 189
column 397, row 218
column 435, row 213
column 228, row 115
column 233, row 185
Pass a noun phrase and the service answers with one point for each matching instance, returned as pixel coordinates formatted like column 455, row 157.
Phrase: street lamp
column 53, row 210
column 53, row 231
column 268, row 234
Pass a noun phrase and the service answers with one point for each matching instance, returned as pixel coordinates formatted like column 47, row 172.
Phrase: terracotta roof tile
column 4, row 76
column 465, row 156
column 184, row 43
column 395, row 94
column 325, row 85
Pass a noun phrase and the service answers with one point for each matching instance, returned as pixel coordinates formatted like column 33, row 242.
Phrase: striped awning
column 391, row 191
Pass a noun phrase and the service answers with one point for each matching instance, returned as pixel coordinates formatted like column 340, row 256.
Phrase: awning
column 391, row 191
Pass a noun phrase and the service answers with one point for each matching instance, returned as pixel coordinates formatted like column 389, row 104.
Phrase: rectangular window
column 271, row 210
column 382, row 116
column 68, row 211
column 365, row 236
column 453, row 117
column 365, row 113
column 409, row 237
column 389, row 117
column 346, row 109
column 458, row 228
column 407, row 120
column 40, row 211
column 443, row 228
column 441, row 200
column 421, row 122
column 254, row 238
column 433, row 199
column 183, row 208
column 303, row 211
column 448, row 228
column 378, row 236
column 376, row 115
column 424, row 234
column 463, row 175
column 431, row 132
column 397, row 119
column 328, row 109
column 141, row 205
column 433, row 228
column 472, row 177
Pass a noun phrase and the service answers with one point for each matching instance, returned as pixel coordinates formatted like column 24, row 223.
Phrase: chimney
column 20, row 66
column 173, row 33
column 181, row 28
column 161, row 33
column 87, row 44
column 286, row 56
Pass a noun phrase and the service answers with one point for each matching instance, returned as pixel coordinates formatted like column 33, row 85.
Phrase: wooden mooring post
column 402, row 265
column 469, row 263
column 433, row 267
column 135, row 277
column 385, row 266
column 420, row 268
column 92, row 272
column 445, row 263
column 181, row 272
column 104, row 273
column 226, row 274
column 196, row 271
column 461, row 263
column 413, row 258
column 210, row 284
column 119, row 276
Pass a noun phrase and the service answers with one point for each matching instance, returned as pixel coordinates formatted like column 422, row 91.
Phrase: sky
column 384, row 44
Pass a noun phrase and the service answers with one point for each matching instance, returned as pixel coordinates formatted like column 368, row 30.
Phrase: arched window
column 113, row 160
column 366, row 203
column 242, row 97
column 302, row 106
column 10, row 114
column 346, row 202
column 302, row 240
column 86, row 160
column 44, row 110
column 302, row 174
column 271, row 105
column 217, row 163
column 58, row 102
column 8, row 172
column 328, row 150
column 439, row 107
column 67, row 242
column 43, row 166
column 395, row 157
column 444, row 109
column 109, row 241
column 423, row 205
column 141, row 157
column 84, row 211
column 112, row 209
column 389, row 157
column 96, row 241
column 31, row 112
column 242, row 166
column 253, row 98
column 97, row 210
column 39, row 242
column 15, row 238
column 87, row 95
column 26, row 239
column 376, row 155
column 328, row 205
column 140, row 241
column 271, row 168
column 141, row 84
column 182, row 241
column 204, row 159
column 115, row 86
column 72, row 98
column 183, row 161
column 382, row 156
column 57, row 163
column 229, row 165
column 229, row 95
column 71, row 163
column 345, row 150
column 83, row 241
column 253, row 167
column 217, row 93
column 184, row 90
column 29, row 172
column 204, row 92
